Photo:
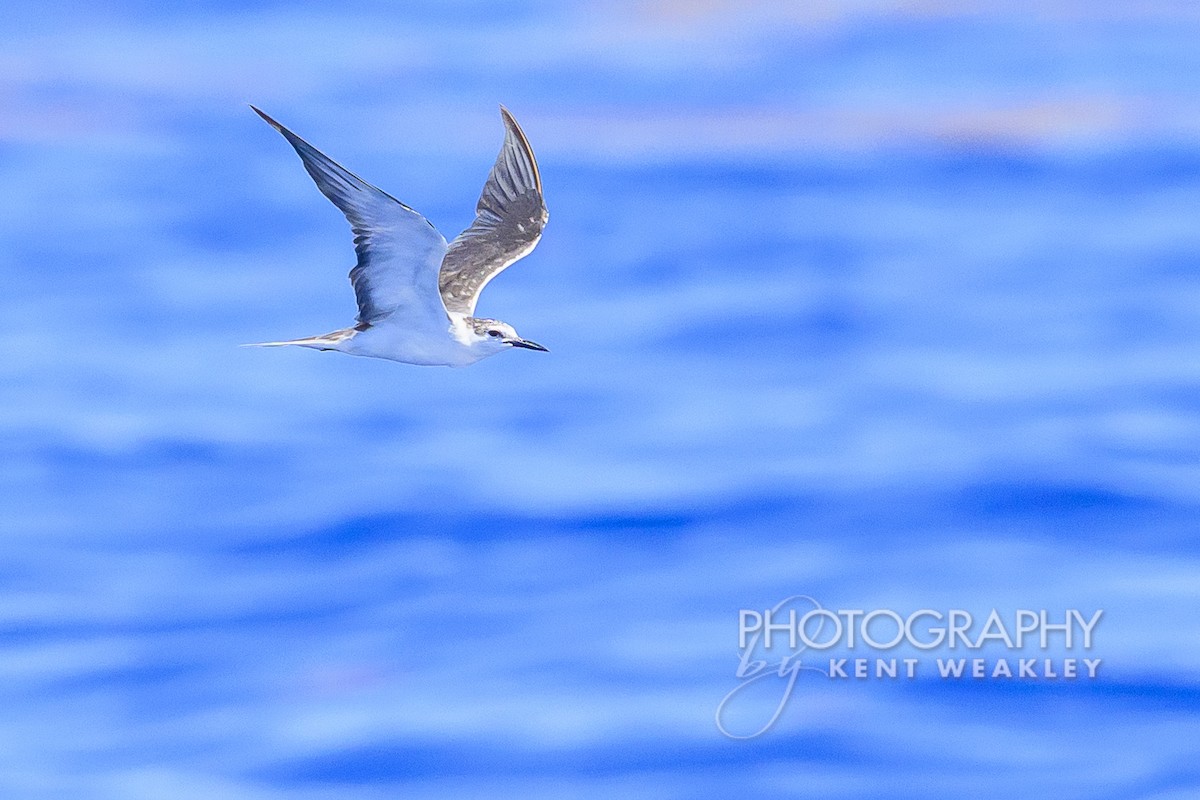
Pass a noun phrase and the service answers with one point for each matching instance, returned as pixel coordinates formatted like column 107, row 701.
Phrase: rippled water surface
column 890, row 305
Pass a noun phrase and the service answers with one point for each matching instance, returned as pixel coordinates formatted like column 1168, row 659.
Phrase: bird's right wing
column 399, row 251
column 508, row 223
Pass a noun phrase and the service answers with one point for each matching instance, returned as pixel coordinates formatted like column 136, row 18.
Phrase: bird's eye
column 495, row 333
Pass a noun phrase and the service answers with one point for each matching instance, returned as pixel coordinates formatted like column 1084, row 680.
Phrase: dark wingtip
column 266, row 117
column 513, row 129
column 509, row 120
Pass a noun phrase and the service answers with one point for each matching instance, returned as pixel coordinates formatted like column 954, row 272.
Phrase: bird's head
column 493, row 336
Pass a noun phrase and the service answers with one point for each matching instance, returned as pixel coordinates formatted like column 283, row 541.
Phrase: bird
column 416, row 294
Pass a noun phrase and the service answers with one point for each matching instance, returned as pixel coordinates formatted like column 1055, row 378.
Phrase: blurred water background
column 891, row 304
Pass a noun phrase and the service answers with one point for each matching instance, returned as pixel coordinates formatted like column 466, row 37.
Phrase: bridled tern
column 416, row 294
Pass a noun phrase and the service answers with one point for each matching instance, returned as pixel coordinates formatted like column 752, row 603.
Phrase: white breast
column 449, row 345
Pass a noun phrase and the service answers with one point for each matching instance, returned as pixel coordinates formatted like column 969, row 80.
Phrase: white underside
column 451, row 345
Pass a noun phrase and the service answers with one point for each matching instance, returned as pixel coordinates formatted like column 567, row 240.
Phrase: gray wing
column 399, row 251
column 509, row 219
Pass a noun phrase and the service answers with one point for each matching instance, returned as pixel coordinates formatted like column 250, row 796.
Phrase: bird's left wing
column 399, row 251
column 509, row 219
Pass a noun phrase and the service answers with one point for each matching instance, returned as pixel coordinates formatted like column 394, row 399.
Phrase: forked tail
column 328, row 341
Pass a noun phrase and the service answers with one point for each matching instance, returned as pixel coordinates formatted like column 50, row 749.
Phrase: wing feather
column 399, row 251
column 509, row 219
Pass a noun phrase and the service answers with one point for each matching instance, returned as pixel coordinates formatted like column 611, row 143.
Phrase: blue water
column 891, row 305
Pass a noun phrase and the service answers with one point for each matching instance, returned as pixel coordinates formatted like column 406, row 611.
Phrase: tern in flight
column 416, row 294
